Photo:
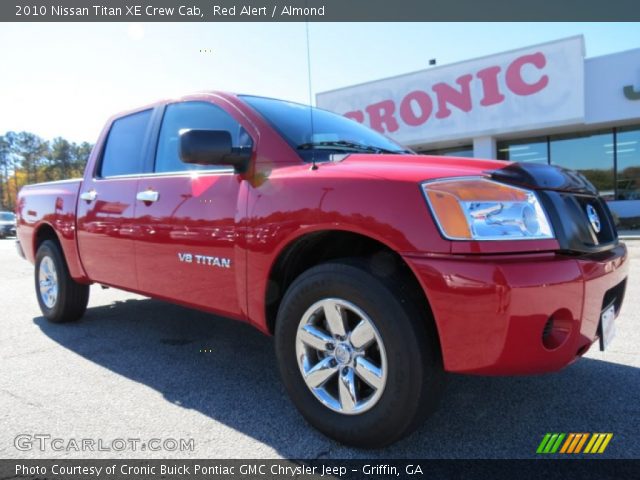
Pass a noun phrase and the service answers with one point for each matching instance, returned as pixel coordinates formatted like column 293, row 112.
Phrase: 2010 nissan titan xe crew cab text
column 377, row 270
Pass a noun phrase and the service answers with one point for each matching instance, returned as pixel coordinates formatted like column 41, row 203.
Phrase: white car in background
column 7, row 224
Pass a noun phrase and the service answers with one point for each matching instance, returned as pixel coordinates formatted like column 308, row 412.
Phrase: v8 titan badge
column 204, row 260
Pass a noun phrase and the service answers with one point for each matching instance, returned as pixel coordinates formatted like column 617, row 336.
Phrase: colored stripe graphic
column 581, row 442
column 567, row 442
column 577, row 437
column 555, row 447
column 572, row 443
column 591, row 443
column 544, row 441
column 598, row 443
column 550, row 443
column 606, row 442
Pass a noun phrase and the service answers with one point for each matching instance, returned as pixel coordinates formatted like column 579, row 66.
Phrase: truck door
column 107, row 203
column 187, row 218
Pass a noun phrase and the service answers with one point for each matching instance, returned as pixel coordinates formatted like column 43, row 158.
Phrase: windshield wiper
column 346, row 145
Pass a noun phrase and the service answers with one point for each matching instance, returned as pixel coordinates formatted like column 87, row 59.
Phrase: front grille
column 607, row 231
column 573, row 229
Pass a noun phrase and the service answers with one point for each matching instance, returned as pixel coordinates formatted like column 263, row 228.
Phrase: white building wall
column 536, row 87
column 605, row 80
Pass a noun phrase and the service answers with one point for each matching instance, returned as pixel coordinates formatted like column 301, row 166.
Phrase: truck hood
column 419, row 168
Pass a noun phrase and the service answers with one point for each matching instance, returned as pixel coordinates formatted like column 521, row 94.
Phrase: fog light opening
column 557, row 329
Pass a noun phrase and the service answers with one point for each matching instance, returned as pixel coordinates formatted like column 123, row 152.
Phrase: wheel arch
column 43, row 232
column 68, row 248
column 70, row 298
column 314, row 248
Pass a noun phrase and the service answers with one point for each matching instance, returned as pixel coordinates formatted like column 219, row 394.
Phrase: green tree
column 32, row 151
column 27, row 158
column 13, row 165
column 4, row 171
column 80, row 156
column 61, row 158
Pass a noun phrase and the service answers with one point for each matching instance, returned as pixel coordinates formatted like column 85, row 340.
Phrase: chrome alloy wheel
column 48, row 281
column 341, row 356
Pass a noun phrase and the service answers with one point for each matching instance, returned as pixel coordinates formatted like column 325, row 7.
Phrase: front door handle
column 89, row 196
column 148, row 196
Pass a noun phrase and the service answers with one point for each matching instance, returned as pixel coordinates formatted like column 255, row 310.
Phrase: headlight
column 481, row 209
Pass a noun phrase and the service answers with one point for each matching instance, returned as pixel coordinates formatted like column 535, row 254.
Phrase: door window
column 193, row 116
column 124, row 151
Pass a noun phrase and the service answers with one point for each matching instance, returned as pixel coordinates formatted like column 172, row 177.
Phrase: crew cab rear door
column 188, row 218
column 107, row 202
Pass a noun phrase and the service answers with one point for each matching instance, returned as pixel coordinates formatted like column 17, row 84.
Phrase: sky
column 66, row 79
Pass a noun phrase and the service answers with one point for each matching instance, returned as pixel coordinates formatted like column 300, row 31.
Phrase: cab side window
column 124, row 151
column 199, row 116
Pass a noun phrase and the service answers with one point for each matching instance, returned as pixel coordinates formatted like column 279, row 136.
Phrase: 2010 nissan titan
column 376, row 269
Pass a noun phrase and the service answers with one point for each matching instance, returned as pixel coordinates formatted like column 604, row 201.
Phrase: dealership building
column 546, row 103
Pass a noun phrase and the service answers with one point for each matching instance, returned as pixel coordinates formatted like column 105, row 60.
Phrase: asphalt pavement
column 138, row 370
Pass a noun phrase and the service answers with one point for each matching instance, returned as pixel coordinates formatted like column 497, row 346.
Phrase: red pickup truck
column 376, row 269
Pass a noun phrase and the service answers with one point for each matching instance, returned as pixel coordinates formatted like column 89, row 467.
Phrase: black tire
column 414, row 378
column 71, row 298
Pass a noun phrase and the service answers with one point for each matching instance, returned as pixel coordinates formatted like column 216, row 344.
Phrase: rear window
column 123, row 153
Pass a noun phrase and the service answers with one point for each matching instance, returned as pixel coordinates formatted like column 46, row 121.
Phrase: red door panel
column 105, row 231
column 185, row 240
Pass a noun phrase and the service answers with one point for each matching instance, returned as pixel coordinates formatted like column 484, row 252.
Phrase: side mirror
column 212, row 147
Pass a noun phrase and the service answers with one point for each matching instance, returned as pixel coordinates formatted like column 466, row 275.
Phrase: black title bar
column 379, row 469
column 316, row 10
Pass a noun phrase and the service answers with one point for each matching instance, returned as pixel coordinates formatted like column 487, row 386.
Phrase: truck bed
column 53, row 204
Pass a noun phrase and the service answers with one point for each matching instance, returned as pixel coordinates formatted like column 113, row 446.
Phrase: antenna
column 314, row 166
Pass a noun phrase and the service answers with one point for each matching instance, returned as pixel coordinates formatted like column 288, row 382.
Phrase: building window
column 593, row 154
column 590, row 154
column 464, row 151
column 628, row 162
column 529, row 150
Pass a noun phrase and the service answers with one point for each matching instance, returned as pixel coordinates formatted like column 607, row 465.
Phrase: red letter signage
column 423, row 103
column 381, row 114
column 514, row 78
column 448, row 94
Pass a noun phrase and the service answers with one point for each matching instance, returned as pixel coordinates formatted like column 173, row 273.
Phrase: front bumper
column 493, row 311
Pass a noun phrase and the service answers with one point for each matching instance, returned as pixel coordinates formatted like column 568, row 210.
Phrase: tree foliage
column 27, row 158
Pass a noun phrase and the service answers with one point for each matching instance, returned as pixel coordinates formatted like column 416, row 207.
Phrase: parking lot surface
column 136, row 368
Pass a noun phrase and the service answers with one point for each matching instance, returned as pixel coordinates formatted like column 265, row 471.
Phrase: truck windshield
column 331, row 133
column 7, row 217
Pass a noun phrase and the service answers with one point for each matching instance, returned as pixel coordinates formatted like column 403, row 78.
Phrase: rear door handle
column 89, row 196
column 148, row 196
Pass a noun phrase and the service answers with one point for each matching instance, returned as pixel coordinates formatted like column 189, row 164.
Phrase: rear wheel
column 358, row 358
column 60, row 297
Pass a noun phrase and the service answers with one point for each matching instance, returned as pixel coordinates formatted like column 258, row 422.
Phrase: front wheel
column 60, row 297
column 357, row 356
